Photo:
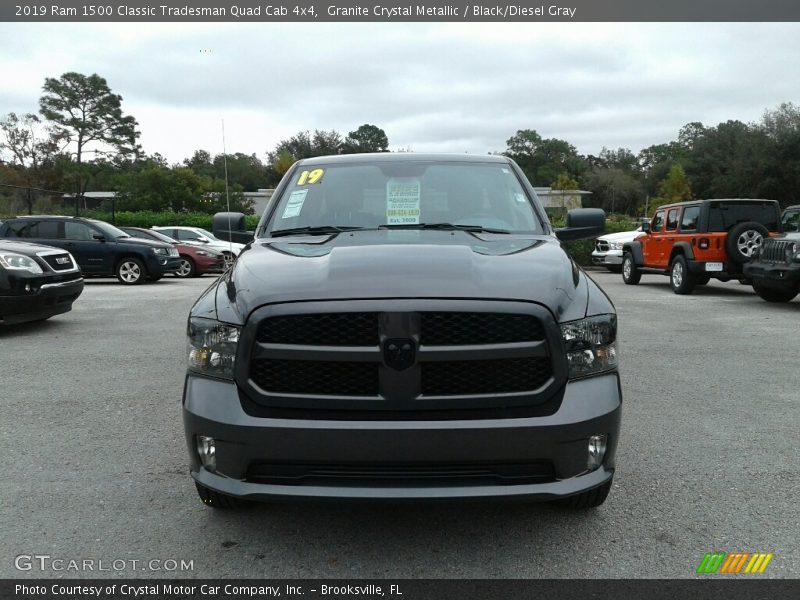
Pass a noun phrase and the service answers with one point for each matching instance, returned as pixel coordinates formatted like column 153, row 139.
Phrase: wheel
column 743, row 239
column 131, row 271
column 680, row 279
column 614, row 268
column 630, row 274
column 775, row 294
column 702, row 280
column 218, row 500
column 187, row 268
column 589, row 499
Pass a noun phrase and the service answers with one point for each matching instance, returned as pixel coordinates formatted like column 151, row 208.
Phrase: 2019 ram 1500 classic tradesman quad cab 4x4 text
column 404, row 327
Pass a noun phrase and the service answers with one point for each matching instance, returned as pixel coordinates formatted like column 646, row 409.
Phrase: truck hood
column 400, row 264
column 622, row 236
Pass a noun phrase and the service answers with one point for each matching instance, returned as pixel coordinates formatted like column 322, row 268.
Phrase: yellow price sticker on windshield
column 308, row 177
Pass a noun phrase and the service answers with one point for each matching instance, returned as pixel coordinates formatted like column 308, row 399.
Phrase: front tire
column 218, row 500
column 771, row 294
column 131, row 271
column 630, row 274
column 589, row 499
column 680, row 279
column 187, row 268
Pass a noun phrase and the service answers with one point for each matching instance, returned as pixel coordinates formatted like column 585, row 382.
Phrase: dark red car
column 194, row 261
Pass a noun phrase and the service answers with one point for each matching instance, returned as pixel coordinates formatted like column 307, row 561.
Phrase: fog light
column 206, row 449
column 597, row 450
column 27, row 287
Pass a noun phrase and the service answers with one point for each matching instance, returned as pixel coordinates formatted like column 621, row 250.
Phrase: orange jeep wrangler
column 700, row 239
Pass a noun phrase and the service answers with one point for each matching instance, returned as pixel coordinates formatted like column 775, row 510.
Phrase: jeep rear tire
column 590, row 499
column 775, row 294
column 680, row 279
column 743, row 239
column 630, row 274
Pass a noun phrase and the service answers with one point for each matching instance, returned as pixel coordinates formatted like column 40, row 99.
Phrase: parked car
column 608, row 249
column 100, row 249
column 695, row 241
column 195, row 261
column 36, row 282
column 405, row 327
column 200, row 237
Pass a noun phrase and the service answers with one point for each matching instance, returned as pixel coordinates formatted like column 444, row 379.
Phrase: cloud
column 431, row 87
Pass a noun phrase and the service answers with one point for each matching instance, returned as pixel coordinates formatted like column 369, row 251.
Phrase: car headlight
column 591, row 345
column 203, row 253
column 160, row 251
column 19, row 262
column 794, row 252
column 212, row 347
column 615, row 245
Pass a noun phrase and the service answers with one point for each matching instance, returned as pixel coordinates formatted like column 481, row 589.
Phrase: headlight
column 591, row 345
column 212, row 347
column 615, row 245
column 794, row 253
column 202, row 253
column 160, row 251
column 19, row 262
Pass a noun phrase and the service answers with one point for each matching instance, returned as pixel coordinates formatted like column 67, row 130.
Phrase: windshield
column 405, row 194
column 109, row 230
column 150, row 235
column 208, row 234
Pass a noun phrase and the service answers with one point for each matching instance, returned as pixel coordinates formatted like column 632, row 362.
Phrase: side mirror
column 202, row 240
column 646, row 227
column 99, row 237
column 583, row 224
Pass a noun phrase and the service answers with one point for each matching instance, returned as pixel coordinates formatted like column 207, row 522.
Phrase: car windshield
column 208, row 234
column 109, row 230
column 157, row 235
column 404, row 194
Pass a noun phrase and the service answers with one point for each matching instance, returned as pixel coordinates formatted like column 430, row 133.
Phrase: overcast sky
column 446, row 87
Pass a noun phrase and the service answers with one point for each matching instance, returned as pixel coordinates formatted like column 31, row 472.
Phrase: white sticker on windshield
column 402, row 201
column 519, row 197
column 295, row 203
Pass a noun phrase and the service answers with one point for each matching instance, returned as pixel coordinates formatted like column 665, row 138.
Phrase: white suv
column 197, row 236
column 608, row 249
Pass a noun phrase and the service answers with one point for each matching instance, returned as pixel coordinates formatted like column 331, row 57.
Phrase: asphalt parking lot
column 96, row 466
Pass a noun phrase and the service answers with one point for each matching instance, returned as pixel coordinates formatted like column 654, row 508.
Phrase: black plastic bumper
column 589, row 407
column 48, row 300
column 774, row 274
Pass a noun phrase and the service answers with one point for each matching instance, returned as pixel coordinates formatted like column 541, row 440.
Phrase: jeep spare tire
column 743, row 239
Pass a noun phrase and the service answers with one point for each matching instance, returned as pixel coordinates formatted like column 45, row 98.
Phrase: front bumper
column 610, row 257
column 589, row 407
column 209, row 264
column 51, row 298
column 159, row 265
column 773, row 274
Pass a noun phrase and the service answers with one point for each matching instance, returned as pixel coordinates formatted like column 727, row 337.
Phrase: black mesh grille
column 316, row 377
column 65, row 262
column 394, row 474
column 460, row 328
column 340, row 329
column 484, row 376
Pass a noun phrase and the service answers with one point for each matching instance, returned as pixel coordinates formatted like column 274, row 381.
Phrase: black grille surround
column 58, row 262
column 472, row 357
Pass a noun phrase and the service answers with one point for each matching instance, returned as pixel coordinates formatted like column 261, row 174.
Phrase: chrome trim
column 75, row 267
column 59, row 284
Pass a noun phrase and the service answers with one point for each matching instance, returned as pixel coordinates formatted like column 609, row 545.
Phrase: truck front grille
column 401, row 359
column 59, row 262
column 602, row 246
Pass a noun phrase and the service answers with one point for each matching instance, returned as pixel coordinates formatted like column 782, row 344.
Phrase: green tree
column 367, row 138
column 615, row 190
column 543, row 160
column 674, row 188
column 564, row 182
column 84, row 112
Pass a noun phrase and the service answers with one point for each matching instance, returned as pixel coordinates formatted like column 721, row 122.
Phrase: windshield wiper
column 446, row 226
column 321, row 229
